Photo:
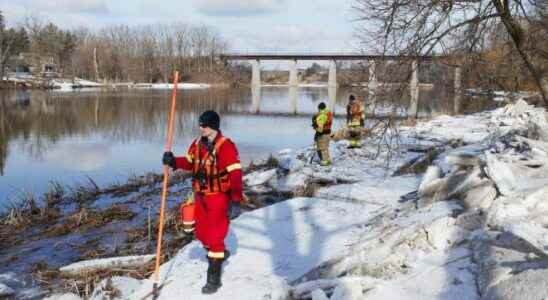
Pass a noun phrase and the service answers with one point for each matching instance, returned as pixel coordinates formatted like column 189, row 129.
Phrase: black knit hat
column 321, row 106
column 210, row 119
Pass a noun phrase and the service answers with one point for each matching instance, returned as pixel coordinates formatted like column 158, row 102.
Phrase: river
column 110, row 135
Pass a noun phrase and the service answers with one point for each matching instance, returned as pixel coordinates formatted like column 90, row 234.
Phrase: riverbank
column 450, row 208
column 69, row 224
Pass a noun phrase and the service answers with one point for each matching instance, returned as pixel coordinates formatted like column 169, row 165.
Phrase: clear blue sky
column 248, row 25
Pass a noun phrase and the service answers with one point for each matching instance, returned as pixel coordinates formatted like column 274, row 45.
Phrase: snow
column 5, row 290
column 168, row 86
column 385, row 192
column 259, row 177
column 472, row 225
column 63, row 297
column 124, row 285
column 275, row 244
column 103, row 263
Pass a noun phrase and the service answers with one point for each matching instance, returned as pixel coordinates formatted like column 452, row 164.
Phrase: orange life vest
column 208, row 179
column 327, row 125
column 355, row 113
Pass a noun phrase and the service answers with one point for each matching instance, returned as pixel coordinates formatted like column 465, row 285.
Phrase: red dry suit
column 217, row 179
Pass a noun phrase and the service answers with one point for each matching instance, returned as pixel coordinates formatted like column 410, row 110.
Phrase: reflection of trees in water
column 118, row 116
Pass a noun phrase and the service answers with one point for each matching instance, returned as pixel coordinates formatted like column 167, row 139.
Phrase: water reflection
column 62, row 136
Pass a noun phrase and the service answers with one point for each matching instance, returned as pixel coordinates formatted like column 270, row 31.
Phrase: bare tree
column 457, row 27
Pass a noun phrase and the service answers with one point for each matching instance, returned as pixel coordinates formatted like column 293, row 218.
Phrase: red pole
column 169, row 143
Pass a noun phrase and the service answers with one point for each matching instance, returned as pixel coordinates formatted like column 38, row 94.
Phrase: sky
column 247, row 25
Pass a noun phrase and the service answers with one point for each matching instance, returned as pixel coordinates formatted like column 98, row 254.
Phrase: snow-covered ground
column 473, row 226
column 167, row 86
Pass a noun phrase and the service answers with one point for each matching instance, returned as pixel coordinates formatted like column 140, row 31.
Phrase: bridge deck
column 323, row 56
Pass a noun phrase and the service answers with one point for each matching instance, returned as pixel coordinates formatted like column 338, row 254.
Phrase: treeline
column 119, row 53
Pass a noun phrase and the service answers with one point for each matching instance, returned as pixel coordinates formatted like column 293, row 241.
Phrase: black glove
column 169, row 159
column 234, row 210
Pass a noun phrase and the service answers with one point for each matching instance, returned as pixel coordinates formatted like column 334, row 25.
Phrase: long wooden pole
column 169, row 143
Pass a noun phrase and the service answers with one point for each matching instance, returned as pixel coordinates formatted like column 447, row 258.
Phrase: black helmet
column 321, row 106
column 210, row 119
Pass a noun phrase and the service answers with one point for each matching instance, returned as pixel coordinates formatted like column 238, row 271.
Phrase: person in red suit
column 217, row 186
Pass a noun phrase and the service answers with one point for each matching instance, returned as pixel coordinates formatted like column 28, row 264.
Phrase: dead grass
column 86, row 218
column 84, row 283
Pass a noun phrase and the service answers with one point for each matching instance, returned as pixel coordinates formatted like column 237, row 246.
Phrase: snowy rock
column 471, row 180
column 288, row 162
column 121, row 287
column 533, row 234
column 501, row 174
column 517, row 109
column 531, row 284
column 105, row 263
column 63, row 297
column 431, row 174
column 494, row 263
column 383, row 193
column 464, row 159
column 443, row 233
column 323, row 178
column 471, row 220
column 9, row 278
column 480, row 197
column 259, row 177
column 291, row 183
column 6, row 290
column 318, row 294
column 348, row 290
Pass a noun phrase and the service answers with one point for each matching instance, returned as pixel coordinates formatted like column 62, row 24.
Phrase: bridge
column 372, row 59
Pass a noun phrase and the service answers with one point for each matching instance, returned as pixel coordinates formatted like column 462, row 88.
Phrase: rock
column 259, row 177
column 122, row 287
column 528, row 285
column 63, row 297
column 6, row 291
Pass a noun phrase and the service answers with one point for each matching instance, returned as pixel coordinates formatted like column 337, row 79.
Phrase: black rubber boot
column 213, row 276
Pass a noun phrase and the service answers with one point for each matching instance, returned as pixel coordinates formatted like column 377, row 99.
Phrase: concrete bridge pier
column 372, row 88
column 293, row 78
column 255, row 99
column 332, row 80
column 256, row 73
column 293, row 93
column 414, row 89
column 332, row 94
